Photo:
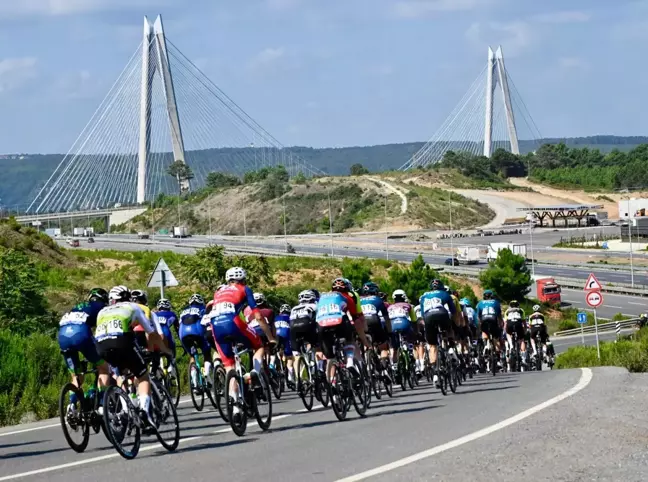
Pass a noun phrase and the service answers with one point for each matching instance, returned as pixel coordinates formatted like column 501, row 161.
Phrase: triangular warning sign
column 592, row 284
column 162, row 276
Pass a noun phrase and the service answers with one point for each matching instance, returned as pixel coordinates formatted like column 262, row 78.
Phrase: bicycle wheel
column 219, row 391
column 196, row 390
column 304, row 383
column 165, row 416
column 336, row 394
column 375, row 368
column 441, row 375
column 72, row 419
column 238, row 422
column 122, row 422
column 360, row 391
column 411, row 374
column 275, row 381
column 323, row 389
column 262, row 401
column 402, row 376
column 451, row 375
column 172, row 382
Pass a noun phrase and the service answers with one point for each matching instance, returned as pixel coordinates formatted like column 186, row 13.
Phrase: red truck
column 548, row 290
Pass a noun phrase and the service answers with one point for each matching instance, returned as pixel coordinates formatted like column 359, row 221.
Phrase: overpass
column 114, row 216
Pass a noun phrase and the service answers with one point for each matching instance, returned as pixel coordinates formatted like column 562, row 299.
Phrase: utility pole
column 328, row 193
column 284, row 223
column 531, row 237
column 451, row 231
column 386, row 236
column 630, row 219
column 245, row 228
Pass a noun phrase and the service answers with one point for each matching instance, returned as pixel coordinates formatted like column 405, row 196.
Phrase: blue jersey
column 489, row 310
column 282, row 325
column 331, row 309
column 437, row 302
column 167, row 318
column 372, row 309
column 192, row 314
column 470, row 315
column 83, row 314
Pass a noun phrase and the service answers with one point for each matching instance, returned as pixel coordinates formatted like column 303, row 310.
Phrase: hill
column 24, row 174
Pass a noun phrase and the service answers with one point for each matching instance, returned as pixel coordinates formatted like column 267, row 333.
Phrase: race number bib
column 74, row 318
column 432, row 304
column 300, row 313
column 110, row 328
column 224, row 308
column 329, row 309
column 397, row 312
column 369, row 310
column 515, row 316
column 488, row 311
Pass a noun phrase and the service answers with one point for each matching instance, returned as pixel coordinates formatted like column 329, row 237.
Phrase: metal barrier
column 602, row 327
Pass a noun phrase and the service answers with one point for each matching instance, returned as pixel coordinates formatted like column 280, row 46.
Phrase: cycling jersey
column 303, row 327
column 335, row 310
column 282, row 329
column 374, row 309
column 401, row 315
column 489, row 310
column 192, row 332
column 118, row 320
column 83, row 314
column 470, row 315
column 75, row 334
column 437, row 302
column 417, row 312
column 536, row 319
column 266, row 313
column 514, row 315
column 167, row 320
column 228, row 326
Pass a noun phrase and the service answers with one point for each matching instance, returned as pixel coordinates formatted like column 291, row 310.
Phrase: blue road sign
column 582, row 318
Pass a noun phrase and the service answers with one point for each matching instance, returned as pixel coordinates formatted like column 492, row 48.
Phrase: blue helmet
column 465, row 302
column 488, row 294
column 370, row 288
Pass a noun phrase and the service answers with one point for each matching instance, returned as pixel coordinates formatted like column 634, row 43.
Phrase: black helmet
column 98, row 294
column 514, row 304
column 139, row 296
column 383, row 296
column 317, row 294
column 370, row 288
column 436, row 285
column 488, row 295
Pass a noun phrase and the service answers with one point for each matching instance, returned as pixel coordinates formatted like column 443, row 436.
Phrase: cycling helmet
column 118, row 294
column 436, row 285
column 514, row 304
column 348, row 284
column 235, row 274
column 98, row 294
column 196, row 299
column 383, row 296
column 316, row 293
column 139, row 296
column 536, row 308
column 307, row 296
column 399, row 294
column 370, row 288
column 488, row 294
column 339, row 284
column 285, row 308
column 259, row 298
column 164, row 304
column 464, row 302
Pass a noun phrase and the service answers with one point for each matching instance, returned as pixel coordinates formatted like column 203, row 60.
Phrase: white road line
column 635, row 303
column 143, row 449
column 612, row 306
column 43, row 427
column 586, row 377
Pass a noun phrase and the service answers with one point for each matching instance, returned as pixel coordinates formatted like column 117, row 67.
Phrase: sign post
column 595, row 299
column 162, row 277
column 582, row 319
column 598, row 346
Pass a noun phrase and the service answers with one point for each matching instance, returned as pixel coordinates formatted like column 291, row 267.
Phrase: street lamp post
column 284, row 223
column 245, row 228
column 328, row 193
column 452, row 256
column 532, row 256
column 630, row 238
column 386, row 234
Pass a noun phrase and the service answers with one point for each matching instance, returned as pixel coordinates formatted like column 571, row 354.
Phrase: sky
column 331, row 73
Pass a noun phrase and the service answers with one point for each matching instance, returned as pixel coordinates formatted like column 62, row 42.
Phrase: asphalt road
column 419, row 435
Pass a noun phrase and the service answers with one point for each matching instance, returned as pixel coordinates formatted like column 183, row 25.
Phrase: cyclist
column 470, row 316
column 358, row 320
column 282, row 330
column 403, row 319
column 538, row 327
column 230, row 327
column 167, row 319
column 75, row 336
column 268, row 314
column 116, row 340
column 336, row 310
column 303, row 327
column 438, row 309
column 376, row 318
column 515, row 323
column 460, row 327
column 140, row 297
column 489, row 314
column 192, row 334
column 420, row 339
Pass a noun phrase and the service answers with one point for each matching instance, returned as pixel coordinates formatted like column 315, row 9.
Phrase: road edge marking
column 585, row 379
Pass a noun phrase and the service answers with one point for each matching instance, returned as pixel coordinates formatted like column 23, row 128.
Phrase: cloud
column 16, row 72
column 420, row 8
column 266, row 58
column 572, row 63
column 563, row 17
column 11, row 9
column 515, row 36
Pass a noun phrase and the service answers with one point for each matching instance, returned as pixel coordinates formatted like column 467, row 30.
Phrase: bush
column 567, row 325
column 508, row 276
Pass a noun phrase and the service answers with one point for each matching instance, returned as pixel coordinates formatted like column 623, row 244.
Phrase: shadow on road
column 406, row 410
column 207, row 445
column 494, row 389
column 32, row 453
column 21, row 444
column 300, row 426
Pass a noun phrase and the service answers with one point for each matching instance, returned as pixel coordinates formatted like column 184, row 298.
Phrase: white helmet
column 235, row 274
column 196, row 299
column 399, row 294
column 259, row 298
column 536, row 308
column 119, row 293
column 307, row 296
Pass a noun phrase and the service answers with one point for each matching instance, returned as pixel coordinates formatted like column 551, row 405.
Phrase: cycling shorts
column 376, row 330
column 123, row 353
column 231, row 331
column 490, row 326
column 328, row 335
column 420, row 331
column 434, row 324
column 515, row 327
column 75, row 339
column 284, row 342
column 472, row 331
column 409, row 335
column 302, row 331
column 540, row 330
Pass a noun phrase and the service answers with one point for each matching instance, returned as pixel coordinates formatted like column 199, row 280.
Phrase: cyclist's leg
column 432, row 337
column 184, row 332
column 327, row 345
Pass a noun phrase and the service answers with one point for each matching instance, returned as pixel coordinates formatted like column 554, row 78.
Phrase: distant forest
column 22, row 178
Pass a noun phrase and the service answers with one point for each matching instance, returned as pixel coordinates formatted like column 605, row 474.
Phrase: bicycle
column 219, row 376
column 199, row 384
column 167, row 372
column 345, row 389
column 123, row 418
column 447, row 371
column 380, row 374
column 514, row 355
column 276, row 374
column 85, row 412
column 405, row 364
column 247, row 399
column 310, row 381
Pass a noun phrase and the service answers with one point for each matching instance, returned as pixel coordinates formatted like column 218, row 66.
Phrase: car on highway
column 73, row 242
column 142, row 235
column 452, row 261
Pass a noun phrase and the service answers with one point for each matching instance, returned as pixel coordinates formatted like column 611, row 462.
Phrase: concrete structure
column 155, row 60
column 113, row 216
column 629, row 208
column 496, row 73
column 575, row 211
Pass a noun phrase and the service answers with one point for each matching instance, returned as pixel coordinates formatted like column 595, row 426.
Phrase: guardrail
column 602, row 327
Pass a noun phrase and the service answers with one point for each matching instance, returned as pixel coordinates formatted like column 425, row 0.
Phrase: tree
column 358, row 271
column 182, row 172
column 508, row 276
column 358, row 170
column 299, row 178
column 414, row 280
column 217, row 180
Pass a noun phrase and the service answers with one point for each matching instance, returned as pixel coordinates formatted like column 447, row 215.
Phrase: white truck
column 88, row 232
column 77, row 232
column 468, row 254
column 495, row 248
column 179, row 232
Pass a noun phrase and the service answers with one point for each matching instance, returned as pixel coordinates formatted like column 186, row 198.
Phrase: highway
column 422, row 435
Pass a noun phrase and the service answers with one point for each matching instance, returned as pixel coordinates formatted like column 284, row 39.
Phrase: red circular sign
column 594, row 299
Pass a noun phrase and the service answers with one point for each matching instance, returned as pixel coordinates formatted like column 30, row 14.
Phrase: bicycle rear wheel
column 72, row 421
column 451, row 375
column 305, row 388
column 196, row 390
column 275, row 381
column 360, row 392
column 441, row 374
column 264, row 403
column 238, row 422
column 172, row 382
column 219, row 391
column 165, row 415
column 122, row 422
column 336, row 395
